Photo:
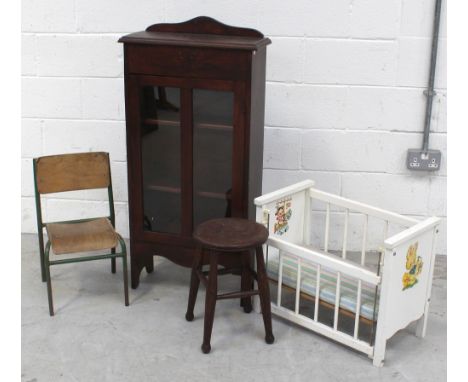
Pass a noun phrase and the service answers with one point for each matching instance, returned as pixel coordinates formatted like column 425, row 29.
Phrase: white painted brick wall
column 78, row 56
column 343, row 98
column 375, row 19
column 350, row 62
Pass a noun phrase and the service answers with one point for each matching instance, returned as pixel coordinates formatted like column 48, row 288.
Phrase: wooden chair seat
column 92, row 235
column 230, row 234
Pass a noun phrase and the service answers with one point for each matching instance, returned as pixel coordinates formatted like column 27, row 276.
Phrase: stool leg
column 264, row 291
column 246, row 281
column 194, row 283
column 210, row 302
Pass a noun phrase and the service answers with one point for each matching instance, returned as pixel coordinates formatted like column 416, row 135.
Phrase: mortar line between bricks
column 338, row 38
column 357, row 213
column 367, row 172
column 269, row 126
column 348, row 130
column 73, row 77
column 123, row 202
column 272, row 82
column 117, row 161
column 74, row 119
column 345, row 129
column 349, row 171
column 80, row 33
column 77, row 33
column 343, row 85
column 79, row 200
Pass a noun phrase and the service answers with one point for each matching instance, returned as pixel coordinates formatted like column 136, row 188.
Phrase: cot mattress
column 348, row 289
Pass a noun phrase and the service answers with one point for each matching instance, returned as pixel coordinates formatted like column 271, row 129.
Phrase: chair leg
column 49, row 283
column 194, row 284
column 264, row 291
column 113, row 262
column 210, row 302
column 246, row 281
column 124, row 269
column 41, row 256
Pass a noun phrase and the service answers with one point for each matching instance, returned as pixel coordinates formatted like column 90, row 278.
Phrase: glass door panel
column 161, row 158
column 212, row 154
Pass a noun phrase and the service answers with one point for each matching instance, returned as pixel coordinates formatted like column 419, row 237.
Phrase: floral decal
column 414, row 266
column 283, row 214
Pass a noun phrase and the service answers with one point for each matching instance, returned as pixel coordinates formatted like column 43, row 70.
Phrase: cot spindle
column 327, row 227
column 364, row 239
column 317, row 292
column 280, row 278
column 337, row 301
column 307, row 217
column 298, row 285
column 345, row 234
column 358, row 309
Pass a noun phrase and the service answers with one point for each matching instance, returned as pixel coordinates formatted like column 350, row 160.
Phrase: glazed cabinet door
column 187, row 159
column 213, row 133
column 156, row 157
column 161, row 161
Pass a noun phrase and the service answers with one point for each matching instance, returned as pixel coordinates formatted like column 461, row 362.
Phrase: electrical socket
column 423, row 160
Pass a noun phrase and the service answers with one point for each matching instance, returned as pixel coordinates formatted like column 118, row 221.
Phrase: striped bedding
column 348, row 291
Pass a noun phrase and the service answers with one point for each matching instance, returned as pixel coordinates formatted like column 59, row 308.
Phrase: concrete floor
column 94, row 337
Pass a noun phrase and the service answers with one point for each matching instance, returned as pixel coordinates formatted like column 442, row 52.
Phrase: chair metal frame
column 44, row 251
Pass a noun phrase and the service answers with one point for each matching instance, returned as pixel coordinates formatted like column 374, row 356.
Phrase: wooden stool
column 238, row 237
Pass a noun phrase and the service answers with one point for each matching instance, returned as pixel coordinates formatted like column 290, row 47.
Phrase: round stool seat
column 230, row 234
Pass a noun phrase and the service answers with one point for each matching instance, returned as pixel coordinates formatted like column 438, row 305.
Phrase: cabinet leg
column 194, row 284
column 149, row 266
column 135, row 270
column 210, row 302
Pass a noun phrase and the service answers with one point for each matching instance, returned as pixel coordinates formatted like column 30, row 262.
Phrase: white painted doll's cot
column 359, row 301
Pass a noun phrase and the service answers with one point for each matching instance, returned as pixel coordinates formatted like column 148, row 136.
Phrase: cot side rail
column 323, row 259
column 320, row 259
column 412, row 232
column 322, row 329
column 362, row 207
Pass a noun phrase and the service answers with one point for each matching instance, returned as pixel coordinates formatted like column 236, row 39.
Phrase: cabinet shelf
column 172, row 190
column 201, row 125
column 176, row 190
column 213, row 195
column 156, row 121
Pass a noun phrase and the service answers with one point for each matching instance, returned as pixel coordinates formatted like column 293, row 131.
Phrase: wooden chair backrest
column 72, row 172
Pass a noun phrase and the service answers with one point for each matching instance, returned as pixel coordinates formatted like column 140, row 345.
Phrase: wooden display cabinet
column 194, row 101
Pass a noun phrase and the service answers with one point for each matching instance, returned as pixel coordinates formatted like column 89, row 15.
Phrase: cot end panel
column 407, row 280
column 284, row 217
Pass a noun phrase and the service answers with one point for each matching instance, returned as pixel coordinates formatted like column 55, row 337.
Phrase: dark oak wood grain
column 201, row 53
column 236, row 238
column 205, row 25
